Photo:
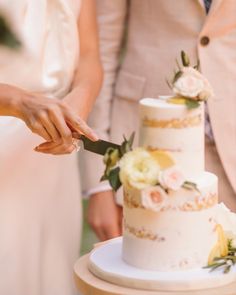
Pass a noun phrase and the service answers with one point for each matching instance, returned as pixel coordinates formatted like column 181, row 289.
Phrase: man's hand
column 105, row 216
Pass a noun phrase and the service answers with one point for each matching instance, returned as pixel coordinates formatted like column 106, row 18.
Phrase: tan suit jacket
column 157, row 31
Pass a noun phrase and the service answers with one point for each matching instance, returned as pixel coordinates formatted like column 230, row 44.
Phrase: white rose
column 192, row 84
column 154, row 198
column 138, row 169
column 172, row 178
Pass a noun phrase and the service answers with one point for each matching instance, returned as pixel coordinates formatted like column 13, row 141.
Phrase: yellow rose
column 138, row 169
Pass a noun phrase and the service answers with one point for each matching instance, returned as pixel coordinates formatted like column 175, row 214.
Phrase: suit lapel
column 214, row 5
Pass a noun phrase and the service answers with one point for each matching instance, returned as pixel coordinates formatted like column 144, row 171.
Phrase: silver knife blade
column 98, row 147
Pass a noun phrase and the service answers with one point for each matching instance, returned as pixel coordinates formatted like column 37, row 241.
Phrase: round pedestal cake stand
column 106, row 263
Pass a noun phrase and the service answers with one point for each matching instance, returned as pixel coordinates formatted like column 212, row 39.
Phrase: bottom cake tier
column 178, row 234
column 106, row 263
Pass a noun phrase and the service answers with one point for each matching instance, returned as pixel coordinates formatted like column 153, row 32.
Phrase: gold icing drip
column 143, row 233
column 174, row 123
column 198, row 204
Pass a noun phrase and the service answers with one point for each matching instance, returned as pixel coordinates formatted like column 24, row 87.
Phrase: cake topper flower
column 189, row 86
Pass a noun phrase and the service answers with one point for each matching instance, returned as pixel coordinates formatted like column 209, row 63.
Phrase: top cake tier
column 175, row 129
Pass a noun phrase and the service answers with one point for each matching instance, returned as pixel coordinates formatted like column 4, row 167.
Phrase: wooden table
column 88, row 284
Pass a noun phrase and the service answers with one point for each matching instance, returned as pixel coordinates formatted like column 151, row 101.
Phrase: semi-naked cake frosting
column 175, row 234
column 177, row 231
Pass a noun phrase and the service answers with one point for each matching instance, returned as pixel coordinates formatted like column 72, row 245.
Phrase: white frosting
column 185, row 144
column 183, row 239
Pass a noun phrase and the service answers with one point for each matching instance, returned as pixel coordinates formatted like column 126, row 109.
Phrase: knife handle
column 81, row 137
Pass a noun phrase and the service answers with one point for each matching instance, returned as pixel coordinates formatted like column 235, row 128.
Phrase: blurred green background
column 88, row 236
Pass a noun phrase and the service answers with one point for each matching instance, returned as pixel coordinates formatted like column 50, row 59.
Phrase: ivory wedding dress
column 40, row 212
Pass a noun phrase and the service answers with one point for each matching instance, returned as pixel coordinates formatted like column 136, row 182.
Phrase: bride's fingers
column 63, row 129
column 47, row 145
column 38, row 128
column 60, row 149
column 80, row 126
column 50, row 127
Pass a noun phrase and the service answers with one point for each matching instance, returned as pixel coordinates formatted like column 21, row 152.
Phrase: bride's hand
column 50, row 118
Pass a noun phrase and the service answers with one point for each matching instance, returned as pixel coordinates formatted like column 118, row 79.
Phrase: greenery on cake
column 111, row 160
column 189, row 86
column 223, row 254
column 141, row 168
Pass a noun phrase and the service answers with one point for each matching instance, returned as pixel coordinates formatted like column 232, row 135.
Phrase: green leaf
column 210, row 265
column 114, row 179
column 111, row 159
column 106, row 173
column 217, row 266
column 131, row 140
column 192, row 104
column 123, row 149
column 185, row 59
column 104, row 177
column 177, row 63
column 126, row 145
column 177, row 76
column 168, row 84
column 227, row 269
column 197, row 66
column 190, row 185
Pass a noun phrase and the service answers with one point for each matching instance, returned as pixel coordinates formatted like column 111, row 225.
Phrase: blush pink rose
column 172, row 178
column 153, row 198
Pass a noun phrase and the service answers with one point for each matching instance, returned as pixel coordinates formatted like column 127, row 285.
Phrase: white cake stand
column 106, row 263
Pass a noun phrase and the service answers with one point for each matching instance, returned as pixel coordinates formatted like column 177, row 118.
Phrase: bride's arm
column 45, row 117
column 8, row 101
column 88, row 77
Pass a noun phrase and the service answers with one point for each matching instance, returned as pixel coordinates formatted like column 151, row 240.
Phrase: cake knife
column 98, row 147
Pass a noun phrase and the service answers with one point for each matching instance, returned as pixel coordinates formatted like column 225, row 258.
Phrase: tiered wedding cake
column 174, row 229
column 173, row 226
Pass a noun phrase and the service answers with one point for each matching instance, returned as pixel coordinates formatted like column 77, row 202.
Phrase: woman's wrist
column 78, row 100
column 16, row 99
column 10, row 100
